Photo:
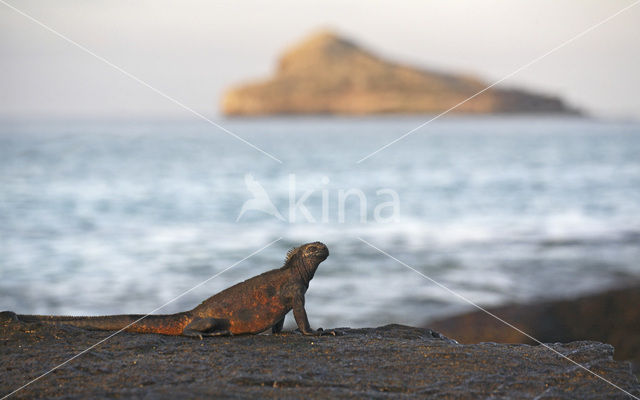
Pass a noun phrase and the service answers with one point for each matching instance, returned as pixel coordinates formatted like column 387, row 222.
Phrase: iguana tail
column 171, row 324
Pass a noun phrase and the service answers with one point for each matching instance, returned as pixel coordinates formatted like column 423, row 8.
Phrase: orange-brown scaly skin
column 249, row 307
column 253, row 305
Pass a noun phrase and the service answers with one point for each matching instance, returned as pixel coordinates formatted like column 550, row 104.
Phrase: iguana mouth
column 322, row 251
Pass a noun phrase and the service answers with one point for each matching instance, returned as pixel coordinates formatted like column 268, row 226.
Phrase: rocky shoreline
column 392, row 361
column 611, row 316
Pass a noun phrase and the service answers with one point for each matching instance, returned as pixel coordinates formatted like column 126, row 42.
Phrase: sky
column 193, row 50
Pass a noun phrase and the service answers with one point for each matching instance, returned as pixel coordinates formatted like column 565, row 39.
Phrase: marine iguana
column 249, row 307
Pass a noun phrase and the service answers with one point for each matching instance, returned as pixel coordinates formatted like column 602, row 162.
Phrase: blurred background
column 114, row 199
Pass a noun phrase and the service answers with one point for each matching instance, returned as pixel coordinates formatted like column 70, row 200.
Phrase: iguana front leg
column 300, row 315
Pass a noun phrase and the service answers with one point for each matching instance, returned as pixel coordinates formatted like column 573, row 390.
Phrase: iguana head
column 315, row 251
column 306, row 258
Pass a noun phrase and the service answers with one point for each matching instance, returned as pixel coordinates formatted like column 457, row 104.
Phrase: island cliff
column 327, row 74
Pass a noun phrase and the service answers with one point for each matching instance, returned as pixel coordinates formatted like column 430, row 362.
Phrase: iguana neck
column 304, row 269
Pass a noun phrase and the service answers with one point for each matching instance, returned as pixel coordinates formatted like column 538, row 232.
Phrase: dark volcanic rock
column 391, row 361
column 610, row 317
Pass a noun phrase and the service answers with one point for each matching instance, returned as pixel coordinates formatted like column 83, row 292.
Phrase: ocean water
column 100, row 217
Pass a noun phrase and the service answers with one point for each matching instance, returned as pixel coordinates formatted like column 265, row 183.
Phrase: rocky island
column 328, row 74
